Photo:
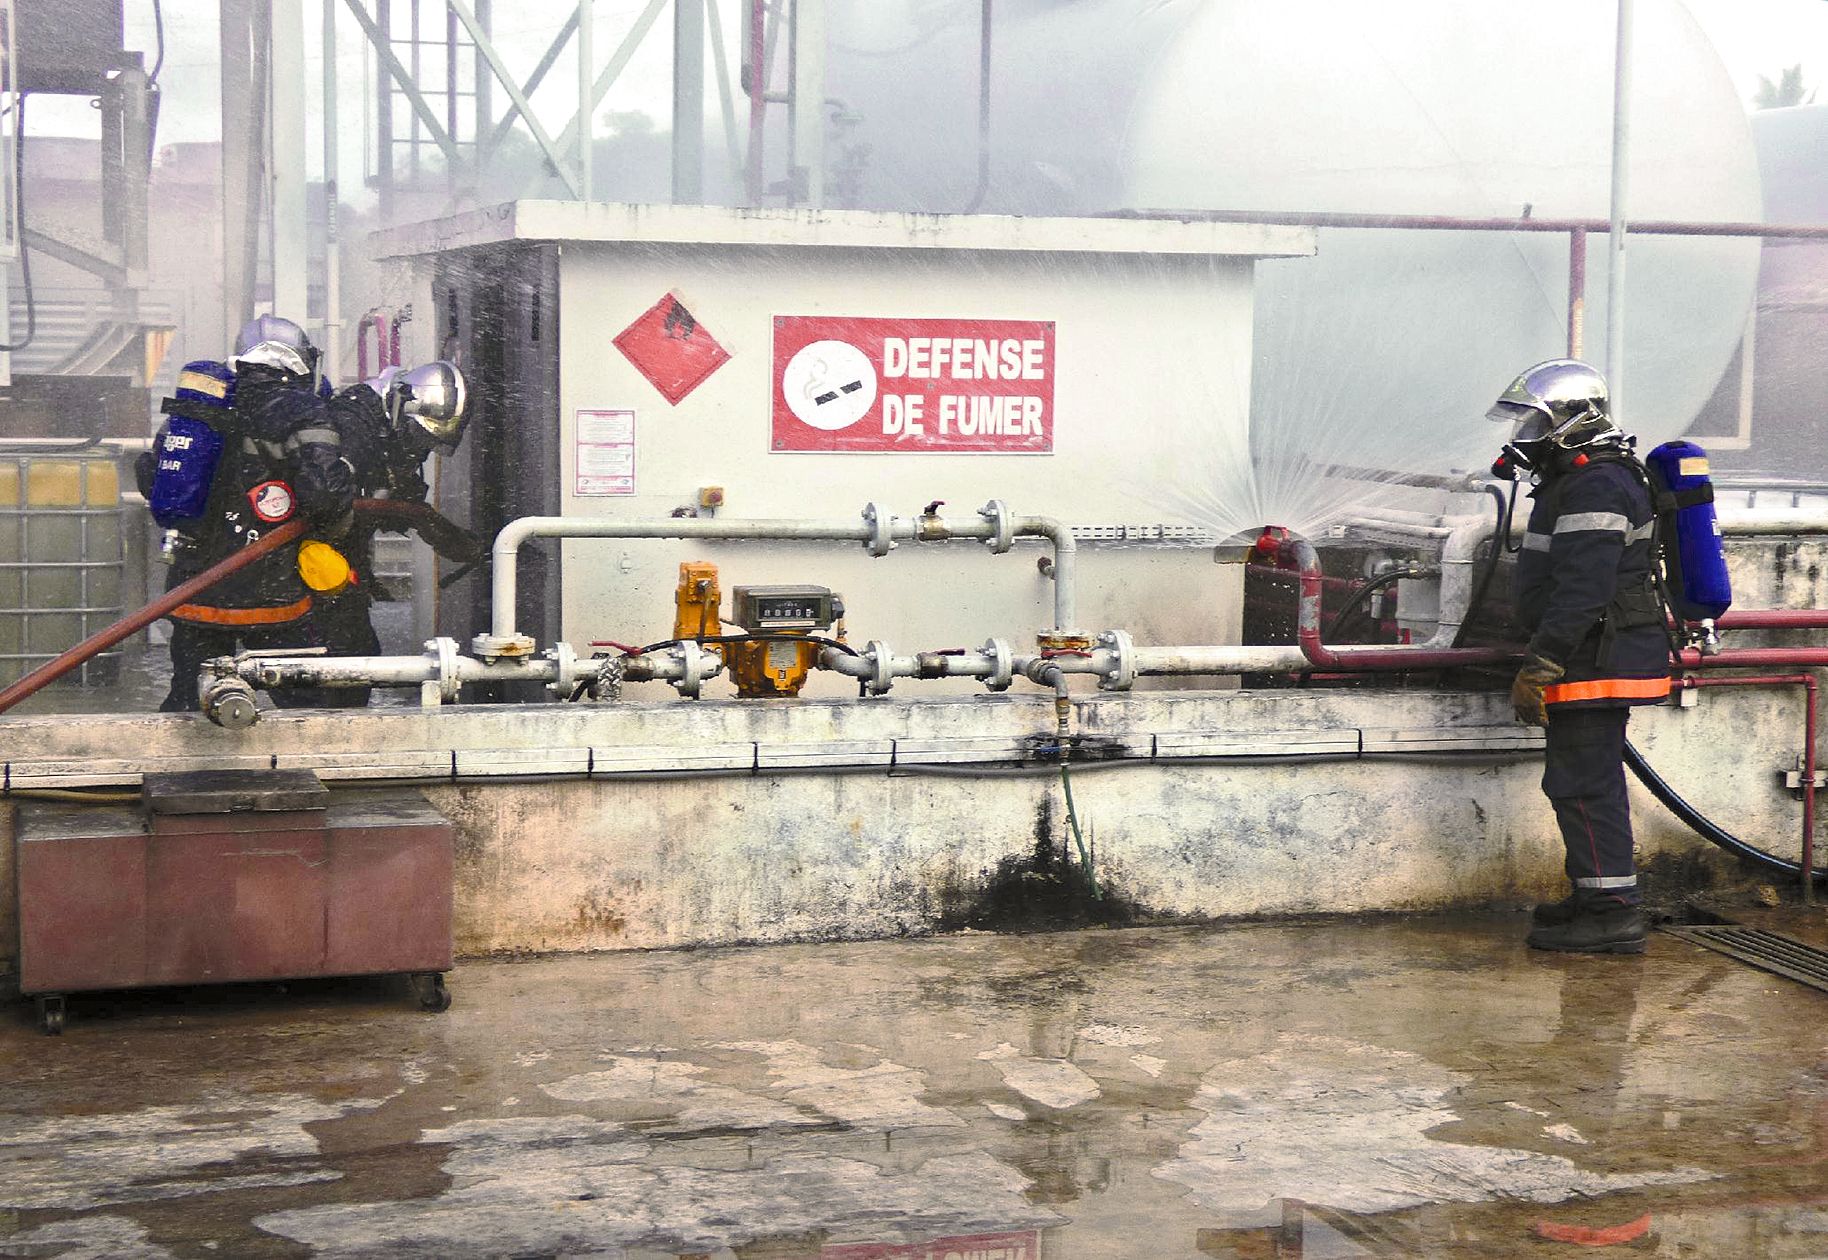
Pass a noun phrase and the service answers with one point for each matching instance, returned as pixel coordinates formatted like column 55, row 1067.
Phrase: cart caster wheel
column 433, row 996
column 50, row 1015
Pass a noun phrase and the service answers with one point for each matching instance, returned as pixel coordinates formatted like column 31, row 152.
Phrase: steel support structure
column 286, row 112
column 569, row 151
column 688, row 101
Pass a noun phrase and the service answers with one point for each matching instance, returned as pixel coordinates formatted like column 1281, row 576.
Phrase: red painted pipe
column 133, row 623
column 1307, row 563
column 1756, row 658
column 1774, row 619
column 1307, row 633
column 1808, row 684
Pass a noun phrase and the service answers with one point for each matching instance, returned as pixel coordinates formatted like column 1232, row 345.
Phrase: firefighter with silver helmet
column 389, row 425
column 1586, row 594
column 274, row 456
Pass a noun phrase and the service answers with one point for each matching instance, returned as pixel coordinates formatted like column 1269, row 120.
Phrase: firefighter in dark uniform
column 1587, row 597
column 280, row 457
column 388, row 427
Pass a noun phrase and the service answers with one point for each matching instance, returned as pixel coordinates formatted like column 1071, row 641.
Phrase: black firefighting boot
column 1550, row 913
column 1595, row 928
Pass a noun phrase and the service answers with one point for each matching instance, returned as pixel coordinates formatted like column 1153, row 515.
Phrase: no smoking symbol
column 829, row 385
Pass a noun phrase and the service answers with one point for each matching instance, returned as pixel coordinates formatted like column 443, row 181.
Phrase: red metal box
column 107, row 902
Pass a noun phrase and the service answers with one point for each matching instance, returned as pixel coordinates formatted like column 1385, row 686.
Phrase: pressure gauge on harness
column 773, row 608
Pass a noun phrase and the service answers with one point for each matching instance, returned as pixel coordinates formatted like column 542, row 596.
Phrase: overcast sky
column 1754, row 37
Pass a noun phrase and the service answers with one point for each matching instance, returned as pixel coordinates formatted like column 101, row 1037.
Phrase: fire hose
column 445, row 536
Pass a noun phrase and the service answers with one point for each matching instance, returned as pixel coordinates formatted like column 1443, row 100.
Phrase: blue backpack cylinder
column 189, row 446
column 1689, row 531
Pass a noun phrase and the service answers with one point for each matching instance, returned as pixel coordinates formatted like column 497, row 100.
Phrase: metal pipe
column 1217, row 659
column 1429, row 655
column 1066, row 554
column 1752, row 524
column 1577, row 291
column 1808, row 683
column 1759, row 658
column 333, row 264
column 1773, row 619
column 1461, row 223
column 1615, row 243
column 866, row 529
column 586, row 99
column 758, row 96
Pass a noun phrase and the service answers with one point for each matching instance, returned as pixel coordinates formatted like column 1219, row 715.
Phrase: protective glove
column 1527, row 688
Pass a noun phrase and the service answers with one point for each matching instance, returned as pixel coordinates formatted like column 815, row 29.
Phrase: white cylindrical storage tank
column 1386, row 349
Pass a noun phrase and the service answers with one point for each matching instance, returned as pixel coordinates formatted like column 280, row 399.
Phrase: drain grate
column 1769, row 951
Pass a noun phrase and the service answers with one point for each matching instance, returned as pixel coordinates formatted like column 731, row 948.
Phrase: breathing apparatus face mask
column 1529, row 447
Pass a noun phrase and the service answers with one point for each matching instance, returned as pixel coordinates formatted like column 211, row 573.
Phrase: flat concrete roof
column 611, row 223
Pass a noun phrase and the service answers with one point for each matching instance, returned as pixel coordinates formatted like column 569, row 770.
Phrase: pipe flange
column 1003, row 658
column 881, row 676
column 564, row 664
column 229, row 703
column 696, row 664
column 881, row 525
column 1004, row 525
column 1123, row 669
column 444, row 654
column 491, row 647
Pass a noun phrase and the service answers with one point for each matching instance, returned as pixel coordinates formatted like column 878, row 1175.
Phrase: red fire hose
column 444, row 535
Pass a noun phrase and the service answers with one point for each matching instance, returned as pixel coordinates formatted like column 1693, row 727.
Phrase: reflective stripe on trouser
column 1606, row 689
column 1584, row 778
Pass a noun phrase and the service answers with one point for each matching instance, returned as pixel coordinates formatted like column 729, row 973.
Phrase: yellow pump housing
column 695, row 601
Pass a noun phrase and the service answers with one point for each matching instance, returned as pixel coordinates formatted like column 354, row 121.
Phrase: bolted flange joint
column 492, row 647
column 1004, row 659
column 1122, row 648
column 881, row 526
column 1003, row 524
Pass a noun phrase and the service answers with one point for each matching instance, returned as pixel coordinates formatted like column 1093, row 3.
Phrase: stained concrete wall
column 911, row 832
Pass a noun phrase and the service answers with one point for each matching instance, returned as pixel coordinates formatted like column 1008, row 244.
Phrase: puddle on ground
column 1161, row 1092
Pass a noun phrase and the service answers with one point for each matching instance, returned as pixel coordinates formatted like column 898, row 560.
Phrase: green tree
column 1787, row 91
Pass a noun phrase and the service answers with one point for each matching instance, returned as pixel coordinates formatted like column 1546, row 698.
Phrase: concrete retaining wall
column 854, row 819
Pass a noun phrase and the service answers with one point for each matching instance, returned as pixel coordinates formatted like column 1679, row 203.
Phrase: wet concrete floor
column 1391, row 1088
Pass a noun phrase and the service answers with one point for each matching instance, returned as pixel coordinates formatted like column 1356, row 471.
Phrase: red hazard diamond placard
column 671, row 348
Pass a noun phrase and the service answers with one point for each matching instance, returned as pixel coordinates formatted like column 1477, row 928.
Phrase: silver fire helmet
column 270, row 341
column 1562, row 403
column 433, row 398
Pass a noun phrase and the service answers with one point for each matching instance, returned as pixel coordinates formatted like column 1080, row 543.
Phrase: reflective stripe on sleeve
column 322, row 437
column 1589, row 522
column 1606, row 689
column 1535, row 542
column 1607, row 881
column 1642, row 533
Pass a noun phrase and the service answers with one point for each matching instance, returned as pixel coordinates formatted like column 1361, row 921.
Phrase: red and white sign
column 605, row 453
column 919, row 386
column 1025, row 1245
column 671, row 348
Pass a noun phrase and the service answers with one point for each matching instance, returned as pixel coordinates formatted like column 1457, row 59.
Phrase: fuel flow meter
column 785, row 617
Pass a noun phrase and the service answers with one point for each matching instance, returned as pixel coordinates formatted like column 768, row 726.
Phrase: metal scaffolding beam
column 521, row 106
column 408, row 86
